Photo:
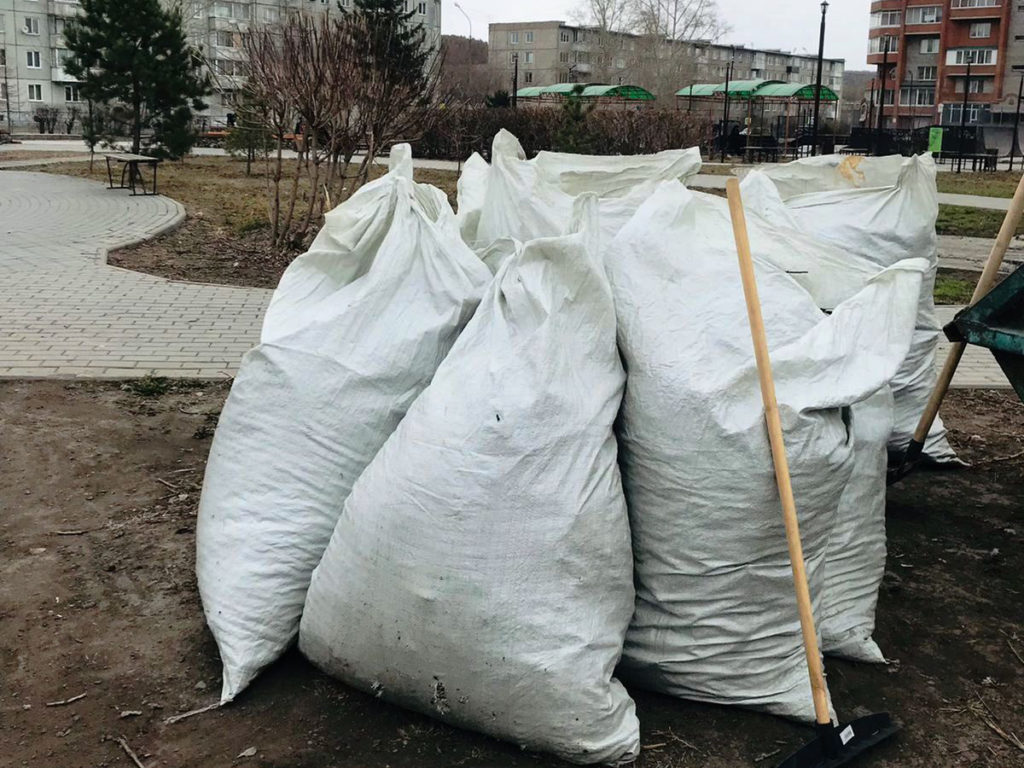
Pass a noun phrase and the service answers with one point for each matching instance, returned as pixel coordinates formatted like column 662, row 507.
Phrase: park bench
column 130, row 165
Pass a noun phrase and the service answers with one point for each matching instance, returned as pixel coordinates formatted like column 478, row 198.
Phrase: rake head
column 839, row 745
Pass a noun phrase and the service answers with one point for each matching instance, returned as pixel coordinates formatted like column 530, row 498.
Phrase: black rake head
column 840, row 745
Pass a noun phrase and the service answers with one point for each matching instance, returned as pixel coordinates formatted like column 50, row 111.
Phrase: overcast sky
column 786, row 24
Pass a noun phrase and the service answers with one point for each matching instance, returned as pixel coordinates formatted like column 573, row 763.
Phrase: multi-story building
column 551, row 52
column 922, row 79
column 31, row 59
column 32, row 48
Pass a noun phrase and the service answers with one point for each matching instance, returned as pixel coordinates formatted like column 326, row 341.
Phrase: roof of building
column 698, row 89
column 745, row 89
column 590, row 90
column 631, row 92
column 802, row 91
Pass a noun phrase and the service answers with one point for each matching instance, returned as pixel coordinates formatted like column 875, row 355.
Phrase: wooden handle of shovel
column 985, row 282
column 771, row 415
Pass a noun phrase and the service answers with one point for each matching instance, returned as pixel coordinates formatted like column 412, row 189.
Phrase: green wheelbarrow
column 997, row 322
column 995, row 319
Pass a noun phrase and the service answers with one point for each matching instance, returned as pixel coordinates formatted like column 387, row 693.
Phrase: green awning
column 564, row 88
column 631, row 92
column 801, row 91
column 530, row 92
column 698, row 89
column 744, row 89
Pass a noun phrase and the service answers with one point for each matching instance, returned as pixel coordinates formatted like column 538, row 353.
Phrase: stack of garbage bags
column 484, row 465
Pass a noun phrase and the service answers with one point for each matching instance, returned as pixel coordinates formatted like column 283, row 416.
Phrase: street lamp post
column 1016, row 122
column 515, row 79
column 881, row 96
column 470, row 21
column 963, row 111
column 725, row 117
column 817, row 86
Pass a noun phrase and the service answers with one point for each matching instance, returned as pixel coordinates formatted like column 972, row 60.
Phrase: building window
column 71, row 93
column 421, row 9
column 229, row 67
column 32, row 60
column 982, row 56
column 924, row 14
column 563, row 57
column 978, row 84
column 225, row 38
column 231, row 11
column 885, row 19
column 527, row 77
column 529, row 36
column 917, row 97
column 927, row 73
column 529, row 57
column 60, row 55
column 564, row 36
column 975, row 3
column 57, row 25
column 3, row 57
column 31, row 26
column 981, row 29
column 929, row 45
column 35, row 93
column 270, row 14
column 513, row 38
column 563, row 77
column 3, row 91
column 877, row 44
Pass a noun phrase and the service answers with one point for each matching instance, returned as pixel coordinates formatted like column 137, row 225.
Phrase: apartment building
column 930, row 44
column 32, row 48
column 550, row 52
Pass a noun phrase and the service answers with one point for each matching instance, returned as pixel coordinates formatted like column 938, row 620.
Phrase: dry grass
column 995, row 184
column 10, row 155
column 225, row 237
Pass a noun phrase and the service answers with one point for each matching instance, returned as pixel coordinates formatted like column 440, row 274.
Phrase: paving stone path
column 65, row 312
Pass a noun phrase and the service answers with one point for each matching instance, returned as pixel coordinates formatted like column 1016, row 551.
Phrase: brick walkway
column 64, row 312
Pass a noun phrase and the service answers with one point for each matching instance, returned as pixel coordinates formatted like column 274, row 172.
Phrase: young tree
column 135, row 52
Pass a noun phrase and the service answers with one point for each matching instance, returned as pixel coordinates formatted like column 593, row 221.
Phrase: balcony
column 969, row 10
column 60, row 75
column 64, row 8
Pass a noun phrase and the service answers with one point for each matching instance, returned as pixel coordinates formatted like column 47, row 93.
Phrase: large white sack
column 481, row 571
column 855, row 556
column 513, row 197
column 882, row 209
column 354, row 332
column 716, row 616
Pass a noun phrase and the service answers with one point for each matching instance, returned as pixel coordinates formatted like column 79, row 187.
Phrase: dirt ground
column 98, row 605
column 225, row 237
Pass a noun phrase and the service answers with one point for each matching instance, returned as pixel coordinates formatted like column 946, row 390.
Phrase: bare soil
column 225, row 237
column 98, row 492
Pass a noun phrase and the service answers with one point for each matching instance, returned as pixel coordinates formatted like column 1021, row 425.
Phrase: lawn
column 970, row 222
column 995, row 184
column 225, row 237
column 954, row 286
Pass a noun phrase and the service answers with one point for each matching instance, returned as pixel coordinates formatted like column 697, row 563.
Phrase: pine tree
column 394, row 43
column 135, row 52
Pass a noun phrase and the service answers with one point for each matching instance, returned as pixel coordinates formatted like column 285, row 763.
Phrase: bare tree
column 677, row 19
column 340, row 80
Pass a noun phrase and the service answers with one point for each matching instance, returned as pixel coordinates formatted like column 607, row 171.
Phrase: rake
column 835, row 744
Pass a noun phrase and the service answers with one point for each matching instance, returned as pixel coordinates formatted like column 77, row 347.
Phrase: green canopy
column 531, row 91
column 631, row 92
column 744, row 89
column 698, row 89
column 801, row 91
column 564, row 88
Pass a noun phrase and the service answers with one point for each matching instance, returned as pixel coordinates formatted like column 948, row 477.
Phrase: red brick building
column 930, row 43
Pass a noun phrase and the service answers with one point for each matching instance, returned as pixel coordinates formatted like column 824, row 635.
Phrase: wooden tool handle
column 985, row 283
column 771, row 415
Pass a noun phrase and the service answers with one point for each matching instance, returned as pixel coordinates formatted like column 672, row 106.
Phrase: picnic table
column 130, row 165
